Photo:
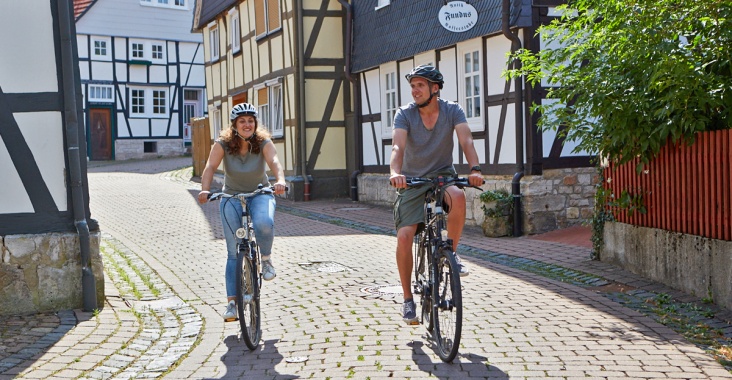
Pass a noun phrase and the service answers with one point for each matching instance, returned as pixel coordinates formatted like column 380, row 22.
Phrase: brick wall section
column 559, row 198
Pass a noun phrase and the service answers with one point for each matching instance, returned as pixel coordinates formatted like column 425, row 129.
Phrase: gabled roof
column 408, row 27
column 207, row 10
column 80, row 7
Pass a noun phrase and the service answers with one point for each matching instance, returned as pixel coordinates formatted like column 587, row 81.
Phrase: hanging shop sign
column 458, row 16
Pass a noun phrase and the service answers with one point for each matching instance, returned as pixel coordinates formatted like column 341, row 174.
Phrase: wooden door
column 100, row 127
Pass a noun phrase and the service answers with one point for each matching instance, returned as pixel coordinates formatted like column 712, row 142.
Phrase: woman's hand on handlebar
column 280, row 187
column 203, row 196
column 398, row 180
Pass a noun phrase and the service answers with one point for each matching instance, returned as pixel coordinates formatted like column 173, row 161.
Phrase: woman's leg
column 230, row 209
column 262, row 209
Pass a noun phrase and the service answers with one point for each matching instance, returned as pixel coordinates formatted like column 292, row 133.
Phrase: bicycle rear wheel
column 247, row 295
column 448, row 310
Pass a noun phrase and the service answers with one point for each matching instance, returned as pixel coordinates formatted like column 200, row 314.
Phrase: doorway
column 100, row 131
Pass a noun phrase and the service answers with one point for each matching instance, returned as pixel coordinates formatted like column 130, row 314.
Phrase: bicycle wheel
column 448, row 313
column 422, row 251
column 247, row 295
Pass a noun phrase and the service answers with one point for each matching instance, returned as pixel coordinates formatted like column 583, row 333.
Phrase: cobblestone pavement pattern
column 164, row 257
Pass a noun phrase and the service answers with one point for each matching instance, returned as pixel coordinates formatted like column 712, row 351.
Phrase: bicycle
column 436, row 272
column 248, row 270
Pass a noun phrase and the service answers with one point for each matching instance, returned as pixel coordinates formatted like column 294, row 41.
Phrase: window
column 175, row 4
column 157, row 51
column 267, row 16
column 235, row 32
column 100, row 48
column 149, row 102
column 270, row 107
column 99, row 93
column 138, row 50
column 216, row 119
column 470, row 83
column 390, row 103
column 213, row 35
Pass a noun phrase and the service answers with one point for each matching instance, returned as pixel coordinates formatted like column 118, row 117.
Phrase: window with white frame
column 100, row 48
column 175, row 4
column 267, row 17
column 213, row 38
column 390, row 103
column 148, row 102
column 270, row 108
column 137, row 50
column 157, row 52
column 216, row 118
column 235, row 32
column 101, row 93
column 470, row 84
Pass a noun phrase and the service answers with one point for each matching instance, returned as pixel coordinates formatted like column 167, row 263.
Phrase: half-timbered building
column 49, row 245
column 142, row 76
column 287, row 58
column 468, row 42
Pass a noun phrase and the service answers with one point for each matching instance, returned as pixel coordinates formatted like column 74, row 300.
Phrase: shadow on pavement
column 476, row 365
column 242, row 363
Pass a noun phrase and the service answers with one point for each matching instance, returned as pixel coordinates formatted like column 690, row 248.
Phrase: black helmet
column 428, row 72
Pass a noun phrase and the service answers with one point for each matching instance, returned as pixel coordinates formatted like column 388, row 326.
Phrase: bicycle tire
column 448, row 309
column 249, row 311
column 421, row 276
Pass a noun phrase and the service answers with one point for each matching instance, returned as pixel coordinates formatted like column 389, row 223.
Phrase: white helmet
column 242, row 109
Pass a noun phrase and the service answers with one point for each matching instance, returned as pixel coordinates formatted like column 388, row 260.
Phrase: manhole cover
column 297, row 359
column 325, row 266
column 389, row 290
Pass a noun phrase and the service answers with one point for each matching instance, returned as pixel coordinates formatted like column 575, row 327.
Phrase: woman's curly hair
column 233, row 142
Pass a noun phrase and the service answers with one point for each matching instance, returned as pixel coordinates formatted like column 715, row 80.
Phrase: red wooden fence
column 685, row 189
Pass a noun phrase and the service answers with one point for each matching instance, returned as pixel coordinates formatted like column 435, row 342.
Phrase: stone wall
column 694, row 264
column 40, row 273
column 559, row 198
column 129, row 149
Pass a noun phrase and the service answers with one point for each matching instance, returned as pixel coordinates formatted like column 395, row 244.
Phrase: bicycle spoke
column 448, row 309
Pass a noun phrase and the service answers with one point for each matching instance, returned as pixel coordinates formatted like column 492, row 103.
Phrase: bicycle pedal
column 414, row 322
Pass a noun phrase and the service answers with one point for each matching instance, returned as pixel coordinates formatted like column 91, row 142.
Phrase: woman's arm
column 214, row 160
column 270, row 155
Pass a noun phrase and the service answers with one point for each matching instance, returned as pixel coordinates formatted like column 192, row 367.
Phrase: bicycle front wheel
column 448, row 307
column 247, row 295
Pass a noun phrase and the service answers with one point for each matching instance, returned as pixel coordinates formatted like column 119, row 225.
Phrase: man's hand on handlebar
column 398, row 180
column 476, row 179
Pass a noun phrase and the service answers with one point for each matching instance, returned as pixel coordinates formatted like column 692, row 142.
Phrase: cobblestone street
column 531, row 306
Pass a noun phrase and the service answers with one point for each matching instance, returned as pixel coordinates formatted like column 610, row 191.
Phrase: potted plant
column 498, row 211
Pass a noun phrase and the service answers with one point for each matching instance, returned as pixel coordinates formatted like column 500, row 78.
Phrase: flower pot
column 496, row 226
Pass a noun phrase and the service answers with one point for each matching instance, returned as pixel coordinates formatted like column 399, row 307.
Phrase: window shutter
column 259, row 17
column 273, row 14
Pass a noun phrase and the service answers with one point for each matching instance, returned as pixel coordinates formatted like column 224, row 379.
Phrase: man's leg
column 405, row 238
column 455, row 199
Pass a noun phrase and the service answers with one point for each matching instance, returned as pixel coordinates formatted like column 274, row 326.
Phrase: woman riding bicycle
column 244, row 149
column 422, row 146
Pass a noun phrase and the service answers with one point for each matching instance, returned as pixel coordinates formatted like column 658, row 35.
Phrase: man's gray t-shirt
column 428, row 151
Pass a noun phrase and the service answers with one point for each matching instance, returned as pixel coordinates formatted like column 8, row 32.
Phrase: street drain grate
column 325, row 266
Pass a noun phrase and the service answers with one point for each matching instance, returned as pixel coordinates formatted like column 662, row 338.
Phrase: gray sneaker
column 463, row 268
column 409, row 313
column 268, row 270
column 230, row 313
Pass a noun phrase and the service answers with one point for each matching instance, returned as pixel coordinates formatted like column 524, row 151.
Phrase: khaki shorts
column 409, row 203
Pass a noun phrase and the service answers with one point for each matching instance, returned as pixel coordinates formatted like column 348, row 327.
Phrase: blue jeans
column 261, row 208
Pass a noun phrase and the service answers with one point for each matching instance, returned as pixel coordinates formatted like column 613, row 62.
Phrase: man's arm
column 399, row 140
column 465, row 138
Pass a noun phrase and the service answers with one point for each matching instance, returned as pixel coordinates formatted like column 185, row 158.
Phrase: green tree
column 629, row 76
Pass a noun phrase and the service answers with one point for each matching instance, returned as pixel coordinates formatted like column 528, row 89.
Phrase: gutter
column 349, row 49
column 518, row 88
column 300, row 99
column 69, row 67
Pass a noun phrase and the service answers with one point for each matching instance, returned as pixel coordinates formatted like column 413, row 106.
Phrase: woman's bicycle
column 248, row 270
column 437, row 275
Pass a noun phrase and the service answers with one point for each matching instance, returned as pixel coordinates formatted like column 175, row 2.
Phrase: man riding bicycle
column 422, row 146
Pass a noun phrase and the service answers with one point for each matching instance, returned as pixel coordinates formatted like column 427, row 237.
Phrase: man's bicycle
column 437, row 275
column 248, row 270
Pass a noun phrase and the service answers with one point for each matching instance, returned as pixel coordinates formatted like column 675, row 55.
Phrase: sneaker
column 463, row 268
column 268, row 270
column 230, row 313
column 409, row 312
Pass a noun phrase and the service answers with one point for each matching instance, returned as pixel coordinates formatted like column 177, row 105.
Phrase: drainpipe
column 349, row 48
column 300, row 100
column 516, row 182
column 88, row 285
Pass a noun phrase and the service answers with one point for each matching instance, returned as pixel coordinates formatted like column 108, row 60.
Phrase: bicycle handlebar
column 460, row 182
column 242, row 196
